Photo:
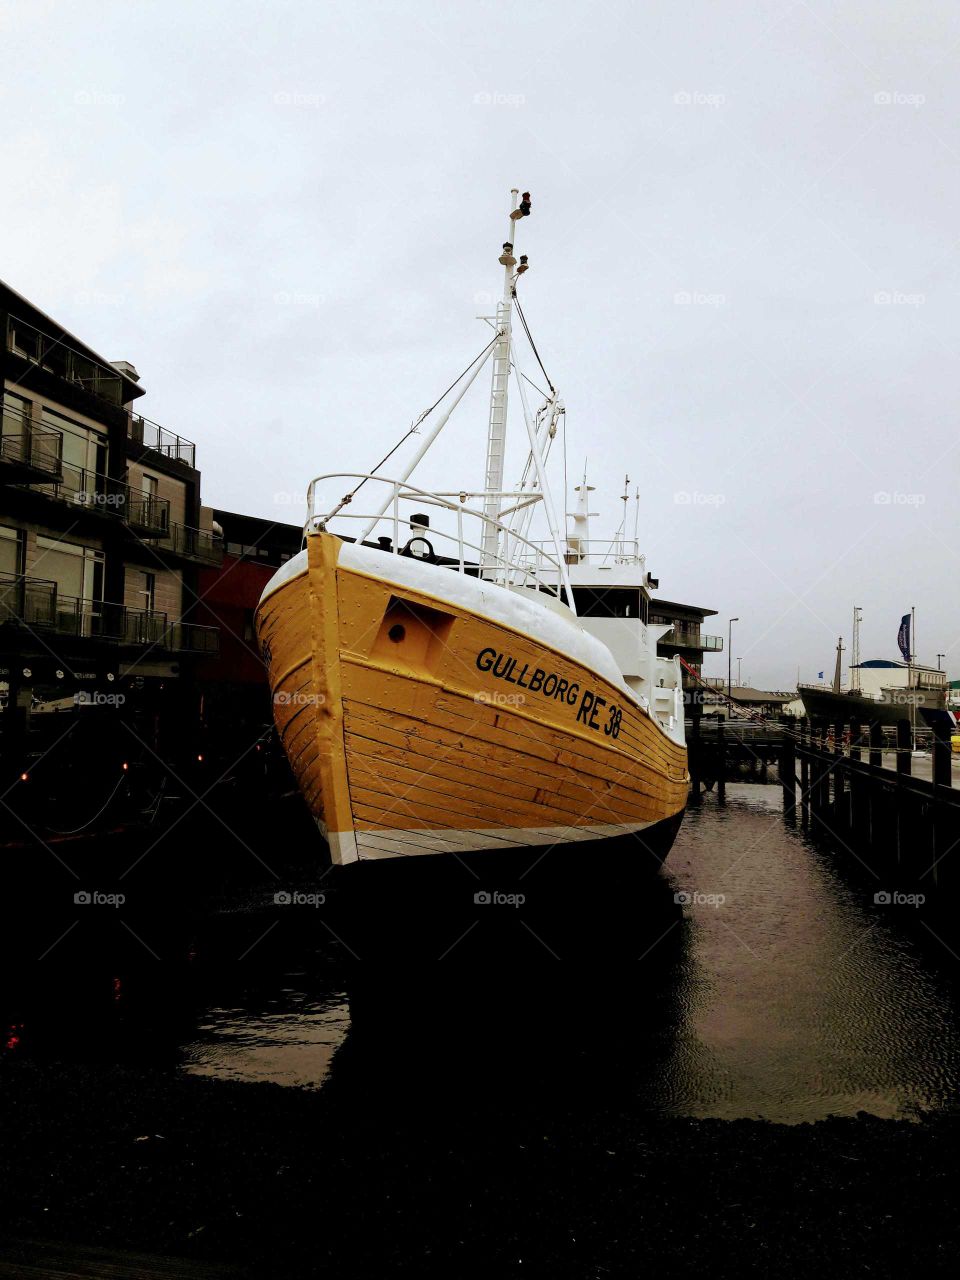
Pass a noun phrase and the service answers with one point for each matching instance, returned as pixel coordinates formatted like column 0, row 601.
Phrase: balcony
column 53, row 356
column 37, row 603
column 689, row 637
column 167, row 443
column 147, row 514
column 200, row 545
column 29, row 452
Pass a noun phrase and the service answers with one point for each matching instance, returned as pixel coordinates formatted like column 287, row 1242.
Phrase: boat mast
column 836, row 674
column 499, row 389
column 855, row 651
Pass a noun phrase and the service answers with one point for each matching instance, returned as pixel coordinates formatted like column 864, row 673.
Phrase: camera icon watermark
column 96, row 898
column 494, row 897
column 294, row 898
column 694, row 898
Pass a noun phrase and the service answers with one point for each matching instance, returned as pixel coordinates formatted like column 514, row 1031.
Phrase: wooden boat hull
column 424, row 712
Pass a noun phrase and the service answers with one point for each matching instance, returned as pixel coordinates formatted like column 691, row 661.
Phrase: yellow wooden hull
column 416, row 724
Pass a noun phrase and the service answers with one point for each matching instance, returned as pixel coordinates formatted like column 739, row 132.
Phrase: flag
column 819, row 675
column 903, row 637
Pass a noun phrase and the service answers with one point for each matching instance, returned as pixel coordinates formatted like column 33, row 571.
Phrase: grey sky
column 285, row 214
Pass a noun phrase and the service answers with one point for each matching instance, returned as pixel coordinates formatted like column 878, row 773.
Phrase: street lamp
column 730, row 656
column 939, row 656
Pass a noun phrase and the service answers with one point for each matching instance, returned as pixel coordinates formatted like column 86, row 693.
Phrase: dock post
column 904, row 768
column 694, row 747
column 838, row 772
column 942, row 777
column 804, row 772
column 854, row 811
column 876, row 745
column 721, row 762
column 788, row 777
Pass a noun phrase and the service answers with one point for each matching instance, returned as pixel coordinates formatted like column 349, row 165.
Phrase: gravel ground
column 299, row 1184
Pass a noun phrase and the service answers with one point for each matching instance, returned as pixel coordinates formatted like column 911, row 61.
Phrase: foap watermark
column 95, row 298
column 496, row 898
column 97, row 898
column 501, row 699
column 894, row 498
column 295, row 898
column 896, row 298
column 294, row 98
column 97, row 98
column 694, row 898
column 697, row 98
column 297, row 698
column 496, row 98
column 94, row 698
column 297, row 298
column 894, row 898
column 693, row 298
column 896, row 98
column 86, row 498
column 693, row 498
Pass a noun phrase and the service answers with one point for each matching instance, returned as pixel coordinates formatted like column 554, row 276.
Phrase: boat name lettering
column 588, row 703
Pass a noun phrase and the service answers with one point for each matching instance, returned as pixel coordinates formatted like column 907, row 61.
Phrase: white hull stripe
column 376, row 845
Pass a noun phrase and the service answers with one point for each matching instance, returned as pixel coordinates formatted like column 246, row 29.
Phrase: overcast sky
column 744, row 272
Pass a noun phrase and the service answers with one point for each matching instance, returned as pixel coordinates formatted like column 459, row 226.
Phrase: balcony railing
column 690, row 637
column 188, row 637
column 36, row 602
column 712, row 644
column 193, row 544
column 29, row 452
column 152, row 436
column 55, row 357
column 146, row 513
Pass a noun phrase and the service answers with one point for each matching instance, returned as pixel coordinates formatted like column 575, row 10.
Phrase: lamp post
column 939, row 656
column 730, row 656
column 739, row 676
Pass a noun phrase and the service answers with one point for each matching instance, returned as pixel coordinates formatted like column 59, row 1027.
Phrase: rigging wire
column 83, row 826
column 533, row 344
column 414, row 428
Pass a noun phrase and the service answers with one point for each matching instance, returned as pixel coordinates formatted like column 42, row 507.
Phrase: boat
column 883, row 691
column 443, row 682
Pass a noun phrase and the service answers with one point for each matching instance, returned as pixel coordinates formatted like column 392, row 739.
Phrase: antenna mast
column 855, row 649
column 499, row 388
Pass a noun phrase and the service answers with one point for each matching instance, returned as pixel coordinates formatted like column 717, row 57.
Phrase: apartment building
column 102, row 532
column 686, row 636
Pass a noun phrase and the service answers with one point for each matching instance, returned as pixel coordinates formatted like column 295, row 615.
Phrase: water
column 778, row 988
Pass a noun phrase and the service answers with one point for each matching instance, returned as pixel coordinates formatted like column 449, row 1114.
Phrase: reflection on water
column 289, row 1041
column 780, row 989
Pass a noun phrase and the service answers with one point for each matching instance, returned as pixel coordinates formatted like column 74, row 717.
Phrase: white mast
column 499, row 388
column 855, row 654
column 579, row 540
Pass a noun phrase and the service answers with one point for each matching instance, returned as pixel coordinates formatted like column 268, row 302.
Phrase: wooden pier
column 895, row 821
column 852, row 784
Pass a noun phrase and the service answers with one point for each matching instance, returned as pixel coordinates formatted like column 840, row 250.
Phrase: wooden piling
column 804, row 772
column 721, row 763
column 788, row 778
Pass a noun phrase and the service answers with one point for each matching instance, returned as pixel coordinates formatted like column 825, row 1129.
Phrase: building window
column 147, row 591
column 11, row 551
column 608, row 602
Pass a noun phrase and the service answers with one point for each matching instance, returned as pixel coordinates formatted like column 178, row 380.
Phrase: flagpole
column 913, row 656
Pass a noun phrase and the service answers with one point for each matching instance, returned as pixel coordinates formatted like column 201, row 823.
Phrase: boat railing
column 600, row 550
column 389, row 516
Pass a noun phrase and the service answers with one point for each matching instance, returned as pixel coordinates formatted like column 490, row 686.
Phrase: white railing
column 601, row 550
column 384, row 511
